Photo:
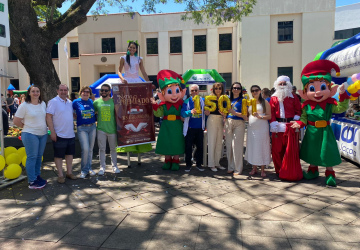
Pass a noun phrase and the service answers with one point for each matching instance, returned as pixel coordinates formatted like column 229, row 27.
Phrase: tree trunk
column 32, row 44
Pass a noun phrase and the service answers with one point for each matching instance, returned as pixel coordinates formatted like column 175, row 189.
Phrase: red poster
column 134, row 113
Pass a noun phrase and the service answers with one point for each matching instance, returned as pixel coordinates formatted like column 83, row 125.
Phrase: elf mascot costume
column 170, row 142
column 319, row 147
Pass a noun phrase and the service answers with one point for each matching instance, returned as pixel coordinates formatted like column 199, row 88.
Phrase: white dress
column 132, row 73
column 258, row 139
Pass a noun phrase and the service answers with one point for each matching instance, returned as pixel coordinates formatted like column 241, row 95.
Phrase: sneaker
column 214, row 169
column 116, row 170
column 221, row 168
column 200, row 168
column 41, row 180
column 101, row 171
column 92, row 172
column 36, row 185
column 82, row 175
column 187, row 169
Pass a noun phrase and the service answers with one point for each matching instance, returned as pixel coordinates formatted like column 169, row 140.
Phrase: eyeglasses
column 194, row 90
column 218, row 88
column 236, row 88
column 255, row 90
column 104, row 90
column 86, row 92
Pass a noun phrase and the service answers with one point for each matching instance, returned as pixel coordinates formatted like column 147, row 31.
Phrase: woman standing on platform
column 215, row 130
column 132, row 63
column 31, row 116
column 235, row 131
column 86, row 128
column 258, row 140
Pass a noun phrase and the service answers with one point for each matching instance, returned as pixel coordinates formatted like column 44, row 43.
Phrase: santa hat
column 166, row 77
column 319, row 69
column 282, row 79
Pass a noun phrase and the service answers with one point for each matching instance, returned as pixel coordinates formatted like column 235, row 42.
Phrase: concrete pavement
column 145, row 207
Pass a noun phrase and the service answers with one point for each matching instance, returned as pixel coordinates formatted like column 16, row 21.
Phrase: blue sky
column 172, row 7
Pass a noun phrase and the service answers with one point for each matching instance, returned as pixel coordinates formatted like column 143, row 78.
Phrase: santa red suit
column 284, row 108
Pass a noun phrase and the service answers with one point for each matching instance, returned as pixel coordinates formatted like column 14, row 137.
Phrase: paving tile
column 11, row 210
column 262, row 228
column 311, row 203
column 221, row 225
column 302, row 244
column 129, row 238
column 322, row 218
column 132, row 201
column 49, row 230
column 344, row 233
column 209, row 205
column 294, row 210
column 10, row 244
column 208, row 240
column 88, row 234
column 170, row 239
column 275, row 215
column 106, row 217
column 340, row 212
column 15, row 228
column 180, row 222
column 70, row 214
column 231, row 212
column 147, row 208
column 251, row 207
column 298, row 230
column 187, row 210
column 142, row 220
column 260, row 242
column 230, row 199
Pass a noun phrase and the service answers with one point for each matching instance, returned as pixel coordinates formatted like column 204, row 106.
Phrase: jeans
column 34, row 147
column 194, row 136
column 86, row 136
column 101, row 139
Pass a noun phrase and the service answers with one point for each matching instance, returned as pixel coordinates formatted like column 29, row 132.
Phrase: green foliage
column 43, row 13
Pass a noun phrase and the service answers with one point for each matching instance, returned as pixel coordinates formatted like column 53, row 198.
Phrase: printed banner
column 134, row 113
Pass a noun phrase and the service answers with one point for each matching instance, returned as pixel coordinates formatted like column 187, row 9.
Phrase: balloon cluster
column 11, row 162
column 352, row 86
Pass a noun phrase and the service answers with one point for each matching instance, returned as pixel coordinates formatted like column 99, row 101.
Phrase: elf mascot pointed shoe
column 170, row 142
column 319, row 147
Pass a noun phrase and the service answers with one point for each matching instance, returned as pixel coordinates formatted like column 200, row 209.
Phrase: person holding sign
column 215, row 127
column 258, row 140
column 235, row 131
column 194, row 125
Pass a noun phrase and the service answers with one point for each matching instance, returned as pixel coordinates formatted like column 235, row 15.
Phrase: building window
column 345, row 34
column 12, row 56
column 175, row 44
column 153, row 78
column 54, row 51
column 286, row 71
column 2, row 7
column 106, row 73
column 152, row 46
column 75, row 84
column 15, row 83
column 285, row 31
column 200, row 43
column 225, row 42
column 2, row 30
column 108, row 45
column 228, row 79
column 74, row 49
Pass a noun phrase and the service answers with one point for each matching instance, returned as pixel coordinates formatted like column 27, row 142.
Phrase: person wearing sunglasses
column 285, row 107
column 235, row 131
column 258, row 139
column 106, row 128
column 215, row 131
column 85, row 120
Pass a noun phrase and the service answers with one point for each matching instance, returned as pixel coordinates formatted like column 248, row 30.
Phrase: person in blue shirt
column 235, row 131
column 265, row 93
column 86, row 129
column 193, row 129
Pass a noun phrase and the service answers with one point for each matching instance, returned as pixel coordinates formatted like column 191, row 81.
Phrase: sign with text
column 134, row 113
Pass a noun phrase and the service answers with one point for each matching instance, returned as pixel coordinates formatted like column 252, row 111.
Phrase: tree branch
column 58, row 3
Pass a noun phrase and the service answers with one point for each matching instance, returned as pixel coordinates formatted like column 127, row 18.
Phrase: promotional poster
column 134, row 113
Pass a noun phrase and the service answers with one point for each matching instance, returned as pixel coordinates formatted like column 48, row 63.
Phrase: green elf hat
column 166, row 77
column 319, row 69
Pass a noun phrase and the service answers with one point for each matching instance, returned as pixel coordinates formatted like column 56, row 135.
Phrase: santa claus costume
column 285, row 107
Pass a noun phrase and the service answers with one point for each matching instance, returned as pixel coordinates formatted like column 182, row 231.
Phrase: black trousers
column 194, row 136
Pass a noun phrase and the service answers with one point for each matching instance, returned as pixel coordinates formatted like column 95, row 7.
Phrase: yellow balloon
column 9, row 150
column 21, row 151
column 13, row 158
column 197, row 105
column 12, row 171
column 2, row 162
column 222, row 99
column 23, row 161
column 209, row 104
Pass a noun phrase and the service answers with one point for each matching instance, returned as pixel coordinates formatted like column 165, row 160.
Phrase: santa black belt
column 284, row 119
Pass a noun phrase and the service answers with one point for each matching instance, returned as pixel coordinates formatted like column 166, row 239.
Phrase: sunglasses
column 194, row 90
column 218, row 88
column 236, row 88
column 255, row 90
column 104, row 90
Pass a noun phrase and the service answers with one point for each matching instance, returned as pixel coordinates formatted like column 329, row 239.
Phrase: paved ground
column 145, row 207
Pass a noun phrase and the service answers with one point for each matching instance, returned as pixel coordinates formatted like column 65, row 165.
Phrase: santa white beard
column 282, row 92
